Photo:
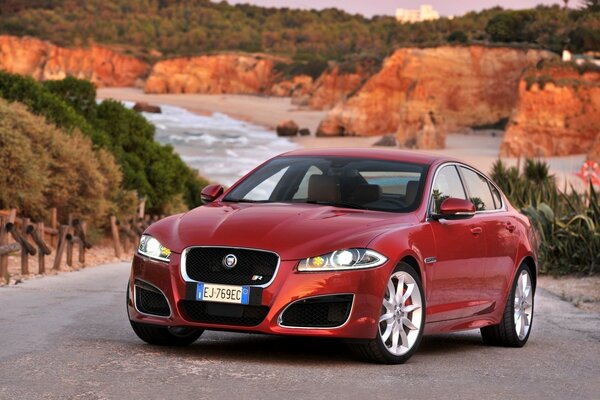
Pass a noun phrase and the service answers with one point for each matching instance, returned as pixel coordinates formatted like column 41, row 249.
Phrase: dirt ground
column 583, row 292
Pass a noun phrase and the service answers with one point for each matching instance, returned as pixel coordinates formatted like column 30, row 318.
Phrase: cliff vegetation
column 153, row 28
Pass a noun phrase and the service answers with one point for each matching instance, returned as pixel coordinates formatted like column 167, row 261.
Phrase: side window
column 302, row 192
column 497, row 198
column 479, row 190
column 447, row 184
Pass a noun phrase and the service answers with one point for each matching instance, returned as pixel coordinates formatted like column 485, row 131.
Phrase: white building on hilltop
column 425, row 13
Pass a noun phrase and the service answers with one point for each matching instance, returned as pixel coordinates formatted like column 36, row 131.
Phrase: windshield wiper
column 336, row 204
column 246, row 201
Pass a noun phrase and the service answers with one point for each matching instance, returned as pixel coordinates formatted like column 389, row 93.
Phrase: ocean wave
column 221, row 148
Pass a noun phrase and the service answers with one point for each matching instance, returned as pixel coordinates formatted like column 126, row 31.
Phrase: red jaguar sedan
column 376, row 246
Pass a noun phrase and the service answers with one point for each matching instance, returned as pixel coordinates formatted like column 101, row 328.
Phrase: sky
column 388, row 7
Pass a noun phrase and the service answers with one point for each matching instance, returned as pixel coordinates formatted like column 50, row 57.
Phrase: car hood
column 294, row 231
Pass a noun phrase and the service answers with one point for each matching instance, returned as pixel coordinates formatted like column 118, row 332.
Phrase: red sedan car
column 376, row 246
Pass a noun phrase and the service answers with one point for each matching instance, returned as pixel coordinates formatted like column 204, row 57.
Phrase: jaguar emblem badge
column 229, row 261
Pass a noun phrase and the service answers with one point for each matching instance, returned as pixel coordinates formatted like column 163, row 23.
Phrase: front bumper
column 288, row 286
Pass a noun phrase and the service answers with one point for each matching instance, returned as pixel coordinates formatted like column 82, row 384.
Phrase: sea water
column 221, row 148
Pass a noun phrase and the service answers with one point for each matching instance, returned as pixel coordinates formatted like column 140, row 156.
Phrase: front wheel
column 162, row 335
column 515, row 326
column 401, row 320
column 166, row 336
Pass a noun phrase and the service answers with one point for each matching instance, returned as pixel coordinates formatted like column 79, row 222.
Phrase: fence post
column 62, row 238
column 41, row 255
column 24, row 253
column 69, row 250
column 142, row 207
column 115, row 234
column 53, row 224
column 3, row 258
column 82, row 241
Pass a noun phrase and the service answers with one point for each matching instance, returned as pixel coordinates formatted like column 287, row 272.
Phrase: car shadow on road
column 303, row 350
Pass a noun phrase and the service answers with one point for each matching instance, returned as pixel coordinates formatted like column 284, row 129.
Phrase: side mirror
column 453, row 209
column 210, row 193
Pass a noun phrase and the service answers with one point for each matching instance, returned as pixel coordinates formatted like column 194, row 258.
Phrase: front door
column 458, row 271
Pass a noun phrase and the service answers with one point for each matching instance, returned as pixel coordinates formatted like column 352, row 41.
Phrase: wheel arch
column 530, row 262
column 412, row 261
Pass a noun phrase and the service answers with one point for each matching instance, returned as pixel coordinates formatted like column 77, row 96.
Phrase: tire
column 166, row 336
column 517, row 320
column 402, row 320
column 163, row 335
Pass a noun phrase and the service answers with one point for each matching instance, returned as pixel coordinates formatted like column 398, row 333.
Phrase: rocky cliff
column 213, row 74
column 298, row 87
column 44, row 61
column 594, row 153
column 335, row 85
column 557, row 114
column 451, row 86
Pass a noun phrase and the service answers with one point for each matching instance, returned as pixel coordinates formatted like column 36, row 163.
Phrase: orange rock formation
column 45, row 61
column 334, row 86
column 459, row 85
column 594, row 153
column 558, row 114
column 213, row 74
column 298, row 86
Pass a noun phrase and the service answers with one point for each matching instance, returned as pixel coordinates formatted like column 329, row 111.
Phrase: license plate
column 222, row 293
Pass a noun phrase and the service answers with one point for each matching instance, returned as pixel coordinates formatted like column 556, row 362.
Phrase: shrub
column 457, row 37
column 151, row 169
column 568, row 224
column 312, row 68
column 78, row 93
column 42, row 166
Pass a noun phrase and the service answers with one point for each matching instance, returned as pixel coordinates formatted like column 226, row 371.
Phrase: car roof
column 381, row 154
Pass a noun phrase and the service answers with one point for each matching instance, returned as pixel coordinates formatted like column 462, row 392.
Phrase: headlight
column 342, row 260
column 150, row 247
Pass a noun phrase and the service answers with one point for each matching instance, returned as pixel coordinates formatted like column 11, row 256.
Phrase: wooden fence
column 31, row 239
column 126, row 233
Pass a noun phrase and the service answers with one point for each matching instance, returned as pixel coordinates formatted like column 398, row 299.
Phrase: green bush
column 568, row 224
column 151, row 169
column 312, row 68
column 457, row 37
column 42, row 166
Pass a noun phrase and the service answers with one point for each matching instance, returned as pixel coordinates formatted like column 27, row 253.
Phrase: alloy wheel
column 401, row 314
column 523, row 305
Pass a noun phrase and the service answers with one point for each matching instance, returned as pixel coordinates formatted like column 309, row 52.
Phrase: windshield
column 345, row 182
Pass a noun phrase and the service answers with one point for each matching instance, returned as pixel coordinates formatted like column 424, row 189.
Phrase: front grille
column 254, row 267
column 151, row 302
column 222, row 313
column 318, row 312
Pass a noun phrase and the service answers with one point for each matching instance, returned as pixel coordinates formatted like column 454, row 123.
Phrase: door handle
column 510, row 227
column 476, row 231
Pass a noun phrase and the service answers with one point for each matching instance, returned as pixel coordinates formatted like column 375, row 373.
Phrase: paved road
column 67, row 337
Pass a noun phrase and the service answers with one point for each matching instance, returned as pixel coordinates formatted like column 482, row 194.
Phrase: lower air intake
column 318, row 312
column 149, row 301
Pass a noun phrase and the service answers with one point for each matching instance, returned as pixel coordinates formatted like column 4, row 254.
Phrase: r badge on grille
column 229, row 261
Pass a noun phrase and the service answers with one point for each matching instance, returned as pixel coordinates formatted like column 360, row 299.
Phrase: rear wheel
column 401, row 320
column 515, row 326
column 163, row 335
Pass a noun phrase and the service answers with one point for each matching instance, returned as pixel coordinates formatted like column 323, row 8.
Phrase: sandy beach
column 481, row 148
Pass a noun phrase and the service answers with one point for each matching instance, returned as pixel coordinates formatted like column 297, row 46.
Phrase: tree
column 591, row 5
